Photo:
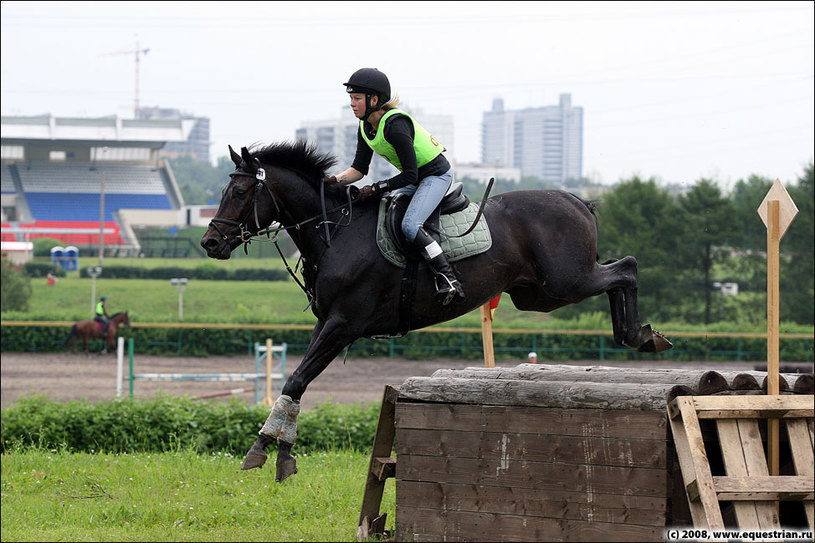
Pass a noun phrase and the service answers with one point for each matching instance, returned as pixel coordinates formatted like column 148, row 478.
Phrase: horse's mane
column 300, row 156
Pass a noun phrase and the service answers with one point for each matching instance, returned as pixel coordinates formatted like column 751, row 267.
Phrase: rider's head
column 102, row 299
column 370, row 82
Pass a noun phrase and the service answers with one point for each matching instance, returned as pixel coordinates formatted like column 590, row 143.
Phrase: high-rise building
column 544, row 142
column 338, row 137
column 197, row 145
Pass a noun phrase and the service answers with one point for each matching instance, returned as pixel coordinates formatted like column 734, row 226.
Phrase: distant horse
column 89, row 328
column 543, row 254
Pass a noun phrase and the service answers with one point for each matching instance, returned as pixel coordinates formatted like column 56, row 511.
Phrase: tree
column 641, row 219
column 798, row 271
column 200, row 182
column 708, row 230
column 15, row 288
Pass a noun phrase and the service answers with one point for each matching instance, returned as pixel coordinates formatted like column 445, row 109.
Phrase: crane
column 138, row 52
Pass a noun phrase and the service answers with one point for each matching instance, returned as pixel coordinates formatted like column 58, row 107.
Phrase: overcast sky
column 672, row 90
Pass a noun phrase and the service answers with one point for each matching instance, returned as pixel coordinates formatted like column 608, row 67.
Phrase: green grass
column 181, row 496
column 255, row 302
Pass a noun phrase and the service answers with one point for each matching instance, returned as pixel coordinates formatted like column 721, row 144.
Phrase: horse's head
column 263, row 189
column 121, row 319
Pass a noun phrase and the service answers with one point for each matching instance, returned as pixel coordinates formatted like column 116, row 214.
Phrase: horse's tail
column 70, row 335
column 590, row 205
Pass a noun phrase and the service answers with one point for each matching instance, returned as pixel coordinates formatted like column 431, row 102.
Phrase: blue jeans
column 426, row 197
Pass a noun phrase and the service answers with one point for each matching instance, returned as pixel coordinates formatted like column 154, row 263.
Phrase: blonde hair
column 392, row 103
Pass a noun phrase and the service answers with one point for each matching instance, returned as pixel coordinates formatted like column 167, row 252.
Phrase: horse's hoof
column 285, row 469
column 661, row 343
column 254, row 459
column 652, row 341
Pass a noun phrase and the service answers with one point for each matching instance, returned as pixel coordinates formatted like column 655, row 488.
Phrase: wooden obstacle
column 263, row 377
column 539, row 453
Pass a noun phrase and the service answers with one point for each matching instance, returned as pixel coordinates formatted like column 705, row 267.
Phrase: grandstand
column 74, row 178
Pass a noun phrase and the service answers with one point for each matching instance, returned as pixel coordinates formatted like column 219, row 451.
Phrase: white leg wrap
column 282, row 421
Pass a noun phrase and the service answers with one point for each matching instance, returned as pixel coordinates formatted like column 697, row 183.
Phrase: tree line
column 685, row 239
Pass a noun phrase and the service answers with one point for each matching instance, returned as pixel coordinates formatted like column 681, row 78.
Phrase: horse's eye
column 239, row 193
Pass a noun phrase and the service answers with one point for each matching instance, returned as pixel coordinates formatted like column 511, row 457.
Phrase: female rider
column 424, row 171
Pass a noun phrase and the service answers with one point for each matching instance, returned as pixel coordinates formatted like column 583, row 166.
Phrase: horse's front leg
column 327, row 342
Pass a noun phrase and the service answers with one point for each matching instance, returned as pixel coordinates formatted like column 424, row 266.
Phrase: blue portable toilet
column 57, row 255
column 70, row 259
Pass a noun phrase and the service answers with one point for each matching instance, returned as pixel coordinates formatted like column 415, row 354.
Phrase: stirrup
column 446, row 293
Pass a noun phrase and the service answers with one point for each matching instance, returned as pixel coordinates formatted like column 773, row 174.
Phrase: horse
column 89, row 328
column 543, row 254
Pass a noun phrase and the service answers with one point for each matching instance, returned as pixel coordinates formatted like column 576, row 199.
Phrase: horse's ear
column 236, row 158
column 246, row 156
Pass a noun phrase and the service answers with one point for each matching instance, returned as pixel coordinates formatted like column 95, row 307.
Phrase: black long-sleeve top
column 399, row 133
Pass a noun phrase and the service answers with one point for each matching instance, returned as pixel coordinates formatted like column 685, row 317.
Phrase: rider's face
column 358, row 103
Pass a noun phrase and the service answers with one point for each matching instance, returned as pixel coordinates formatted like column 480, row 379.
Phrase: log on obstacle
column 545, row 453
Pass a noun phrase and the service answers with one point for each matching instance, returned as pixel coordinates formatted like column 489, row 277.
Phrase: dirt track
column 65, row 377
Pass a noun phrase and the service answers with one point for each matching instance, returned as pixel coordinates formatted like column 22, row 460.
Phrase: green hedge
column 419, row 346
column 167, row 423
column 210, row 272
column 42, row 269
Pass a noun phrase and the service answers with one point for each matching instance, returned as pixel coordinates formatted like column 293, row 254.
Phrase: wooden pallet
column 747, row 482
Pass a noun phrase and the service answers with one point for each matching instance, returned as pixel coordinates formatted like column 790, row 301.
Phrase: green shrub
column 42, row 269
column 43, row 246
column 15, row 287
column 167, row 423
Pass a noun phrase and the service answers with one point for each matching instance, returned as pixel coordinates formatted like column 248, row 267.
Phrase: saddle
column 452, row 202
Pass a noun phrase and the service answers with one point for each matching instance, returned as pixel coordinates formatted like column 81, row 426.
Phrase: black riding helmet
column 369, row 81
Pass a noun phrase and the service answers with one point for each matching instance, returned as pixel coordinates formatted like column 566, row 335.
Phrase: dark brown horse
column 88, row 328
column 543, row 254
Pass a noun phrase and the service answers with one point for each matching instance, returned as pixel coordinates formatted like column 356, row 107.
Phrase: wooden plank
column 803, row 459
column 477, row 526
column 700, row 468
column 753, row 414
column 685, row 459
column 570, row 505
column 534, row 447
column 520, row 419
column 382, row 447
column 522, row 474
column 774, row 405
column 756, row 463
column 736, row 466
column 777, row 485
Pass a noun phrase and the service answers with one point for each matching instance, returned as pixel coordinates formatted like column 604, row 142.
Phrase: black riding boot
column 447, row 286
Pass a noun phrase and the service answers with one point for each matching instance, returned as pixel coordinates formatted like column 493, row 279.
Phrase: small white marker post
column 777, row 210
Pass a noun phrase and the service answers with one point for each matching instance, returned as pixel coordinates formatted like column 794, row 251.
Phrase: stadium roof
column 148, row 133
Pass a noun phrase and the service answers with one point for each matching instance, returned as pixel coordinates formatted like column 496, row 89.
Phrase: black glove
column 366, row 192
column 330, row 180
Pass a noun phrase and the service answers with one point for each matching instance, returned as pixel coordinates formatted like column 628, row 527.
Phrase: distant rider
column 102, row 315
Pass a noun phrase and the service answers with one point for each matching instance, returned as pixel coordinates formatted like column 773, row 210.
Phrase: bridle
column 242, row 224
column 262, row 184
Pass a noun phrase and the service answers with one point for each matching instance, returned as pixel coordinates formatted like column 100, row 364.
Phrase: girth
column 452, row 202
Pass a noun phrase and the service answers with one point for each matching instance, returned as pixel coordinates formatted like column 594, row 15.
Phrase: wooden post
column 268, row 399
column 777, row 210
column 773, row 323
column 486, row 335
